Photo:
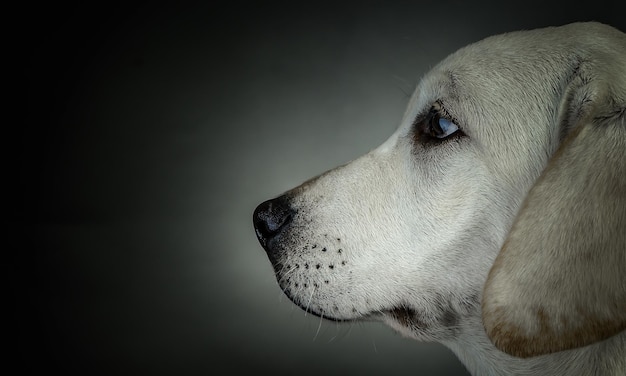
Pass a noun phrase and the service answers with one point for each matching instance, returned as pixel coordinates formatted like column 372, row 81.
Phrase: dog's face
column 408, row 232
column 401, row 232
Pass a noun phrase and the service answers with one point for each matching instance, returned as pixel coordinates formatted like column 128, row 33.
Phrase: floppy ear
column 559, row 282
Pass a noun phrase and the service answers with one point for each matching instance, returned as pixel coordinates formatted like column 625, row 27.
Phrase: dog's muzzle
column 270, row 220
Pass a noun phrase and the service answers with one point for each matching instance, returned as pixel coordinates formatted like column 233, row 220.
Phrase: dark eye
column 440, row 127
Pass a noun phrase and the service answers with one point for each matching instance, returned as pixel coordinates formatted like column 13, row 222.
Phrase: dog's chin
column 403, row 320
column 310, row 308
column 401, row 314
column 336, row 314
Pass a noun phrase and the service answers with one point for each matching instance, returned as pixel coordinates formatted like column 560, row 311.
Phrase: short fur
column 506, row 241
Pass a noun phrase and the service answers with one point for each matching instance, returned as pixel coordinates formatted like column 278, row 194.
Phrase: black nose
column 270, row 218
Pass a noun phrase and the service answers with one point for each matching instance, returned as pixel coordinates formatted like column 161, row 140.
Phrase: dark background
column 145, row 136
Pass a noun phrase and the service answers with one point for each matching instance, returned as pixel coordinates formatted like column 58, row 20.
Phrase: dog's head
column 518, row 140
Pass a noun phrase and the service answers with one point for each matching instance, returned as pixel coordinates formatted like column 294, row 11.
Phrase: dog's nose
column 270, row 218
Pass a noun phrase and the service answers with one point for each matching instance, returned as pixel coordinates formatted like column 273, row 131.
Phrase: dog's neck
column 481, row 357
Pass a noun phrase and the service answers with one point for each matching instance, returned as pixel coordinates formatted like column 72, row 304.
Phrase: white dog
column 493, row 220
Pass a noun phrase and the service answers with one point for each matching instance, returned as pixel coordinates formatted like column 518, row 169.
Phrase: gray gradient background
column 149, row 135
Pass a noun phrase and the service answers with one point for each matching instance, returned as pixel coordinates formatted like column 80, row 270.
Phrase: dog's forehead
column 500, row 69
column 504, row 78
column 516, row 69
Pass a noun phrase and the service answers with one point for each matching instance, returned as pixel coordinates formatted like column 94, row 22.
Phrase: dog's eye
column 440, row 127
column 436, row 127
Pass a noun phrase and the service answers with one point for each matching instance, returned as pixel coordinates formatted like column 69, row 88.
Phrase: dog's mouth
column 339, row 313
column 376, row 315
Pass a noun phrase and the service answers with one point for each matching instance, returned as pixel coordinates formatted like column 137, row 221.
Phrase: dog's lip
column 373, row 315
column 360, row 317
column 312, row 310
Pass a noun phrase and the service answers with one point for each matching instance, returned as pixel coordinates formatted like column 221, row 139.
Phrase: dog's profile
column 493, row 220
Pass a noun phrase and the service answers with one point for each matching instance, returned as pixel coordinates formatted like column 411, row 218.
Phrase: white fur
column 407, row 233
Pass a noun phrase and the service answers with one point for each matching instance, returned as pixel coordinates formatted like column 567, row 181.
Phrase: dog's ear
column 559, row 282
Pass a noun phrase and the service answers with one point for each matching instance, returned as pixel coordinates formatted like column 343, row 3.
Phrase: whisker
column 319, row 327
column 404, row 85
column 308, row 304
column 286, row 274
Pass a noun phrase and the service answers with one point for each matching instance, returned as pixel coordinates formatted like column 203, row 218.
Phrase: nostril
column 270, row 218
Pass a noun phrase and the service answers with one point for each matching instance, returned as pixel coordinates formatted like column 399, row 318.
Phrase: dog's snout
column 270, row 218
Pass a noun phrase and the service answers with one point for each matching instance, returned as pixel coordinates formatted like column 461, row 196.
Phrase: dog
column 492, row 221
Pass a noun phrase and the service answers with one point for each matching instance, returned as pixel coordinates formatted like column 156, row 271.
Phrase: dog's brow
column 452, row 84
